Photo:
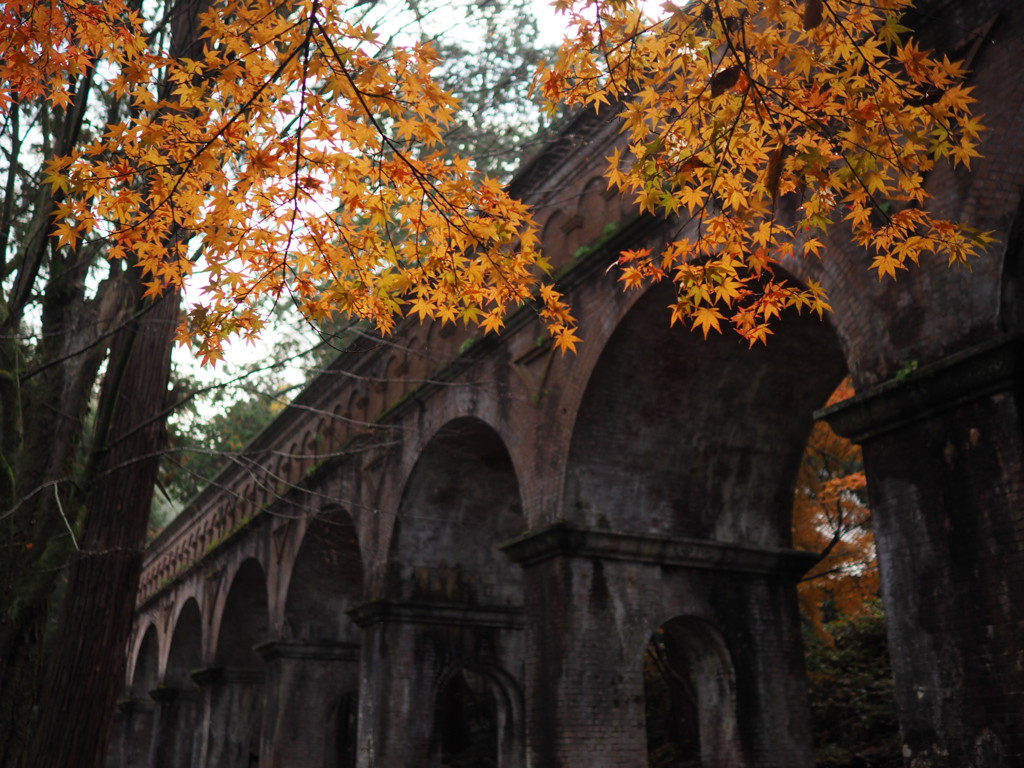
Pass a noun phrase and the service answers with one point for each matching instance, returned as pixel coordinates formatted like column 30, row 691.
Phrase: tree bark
column 86, row 673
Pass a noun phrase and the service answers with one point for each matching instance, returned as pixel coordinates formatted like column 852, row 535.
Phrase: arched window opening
column 670, row 708
column 690, row 698
column 466, row 722
column 346, row 722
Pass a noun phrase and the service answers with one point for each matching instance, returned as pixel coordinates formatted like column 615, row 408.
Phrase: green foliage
column 210, row 431
column 852, row 695
column 851, row 691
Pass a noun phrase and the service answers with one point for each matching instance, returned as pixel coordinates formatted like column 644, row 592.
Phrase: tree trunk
column 86, row 673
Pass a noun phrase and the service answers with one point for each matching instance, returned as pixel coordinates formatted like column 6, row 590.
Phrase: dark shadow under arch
column 681, row 436
column 460, row 502
column 244, row 622
column 326, row 580
column 477, row 718
column 690, row 697
column 147, row 660
column 186, row 650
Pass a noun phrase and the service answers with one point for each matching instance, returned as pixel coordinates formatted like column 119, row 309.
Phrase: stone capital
column 227, row 676
column 983, row 370
column 321, row 650
column 567, row 540
column 386, row 611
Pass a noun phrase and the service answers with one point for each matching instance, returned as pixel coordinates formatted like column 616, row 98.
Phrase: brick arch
column 554, row 235
column 335, row 428
column 681, row 436
column 502, row 699
column 694, row 658
column 185, row 649
column 242, row 620
column 326, row 579
column 385, row 385
column 236, row 507
column 309, row 443
column 289, row 468
column 460, row 501
column 358, row 405
column 145, row 665
column 593, row 211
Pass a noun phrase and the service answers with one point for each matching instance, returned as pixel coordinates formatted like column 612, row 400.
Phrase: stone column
column 232, row 716
column 594, row 598
column 407, row 648
column 175, row 742
column 944, row 456
column 132, row 733
column 308, row 687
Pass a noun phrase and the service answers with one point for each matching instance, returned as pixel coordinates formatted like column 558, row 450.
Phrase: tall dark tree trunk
column 86, row 672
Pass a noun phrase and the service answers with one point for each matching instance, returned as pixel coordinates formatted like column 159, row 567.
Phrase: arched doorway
column 452, row 609
column 177, row 744
column 690, row 697
column 132, row 732
column 233, row 687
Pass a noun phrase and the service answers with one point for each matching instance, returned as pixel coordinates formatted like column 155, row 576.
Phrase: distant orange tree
column 831, row 517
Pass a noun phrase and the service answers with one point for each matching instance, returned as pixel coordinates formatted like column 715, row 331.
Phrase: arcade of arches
column 454, row 551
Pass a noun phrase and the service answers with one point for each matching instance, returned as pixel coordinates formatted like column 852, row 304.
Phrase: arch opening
column 681, row 436
column 460, row 502
column 453, row 611
column 466, row 722
column 343, row 735
column 313, row 668
column 236, row 685
column 244, row 621
column 478, row 719
column 697, row 441
column 186, row 651
column 326, row 580
column 145, row 674
column 690, row 697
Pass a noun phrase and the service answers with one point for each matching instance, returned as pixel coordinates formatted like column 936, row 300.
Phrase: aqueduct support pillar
column 944, row 455
column 232, row 715
column 410, row 651
column 594, row 600
column 305, row 683
column 175, row 742
column 132, row 733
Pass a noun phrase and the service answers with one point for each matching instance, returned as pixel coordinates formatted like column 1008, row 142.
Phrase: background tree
column 853, row 702
column 831, row 516
column 488, row 61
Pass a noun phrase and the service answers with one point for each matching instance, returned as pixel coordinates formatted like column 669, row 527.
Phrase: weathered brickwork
column 445, row 527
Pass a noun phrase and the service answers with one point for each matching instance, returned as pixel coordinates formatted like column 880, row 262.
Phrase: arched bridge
column 450, row 528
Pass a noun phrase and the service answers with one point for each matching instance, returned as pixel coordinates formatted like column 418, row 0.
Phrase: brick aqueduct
column 439, row 514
